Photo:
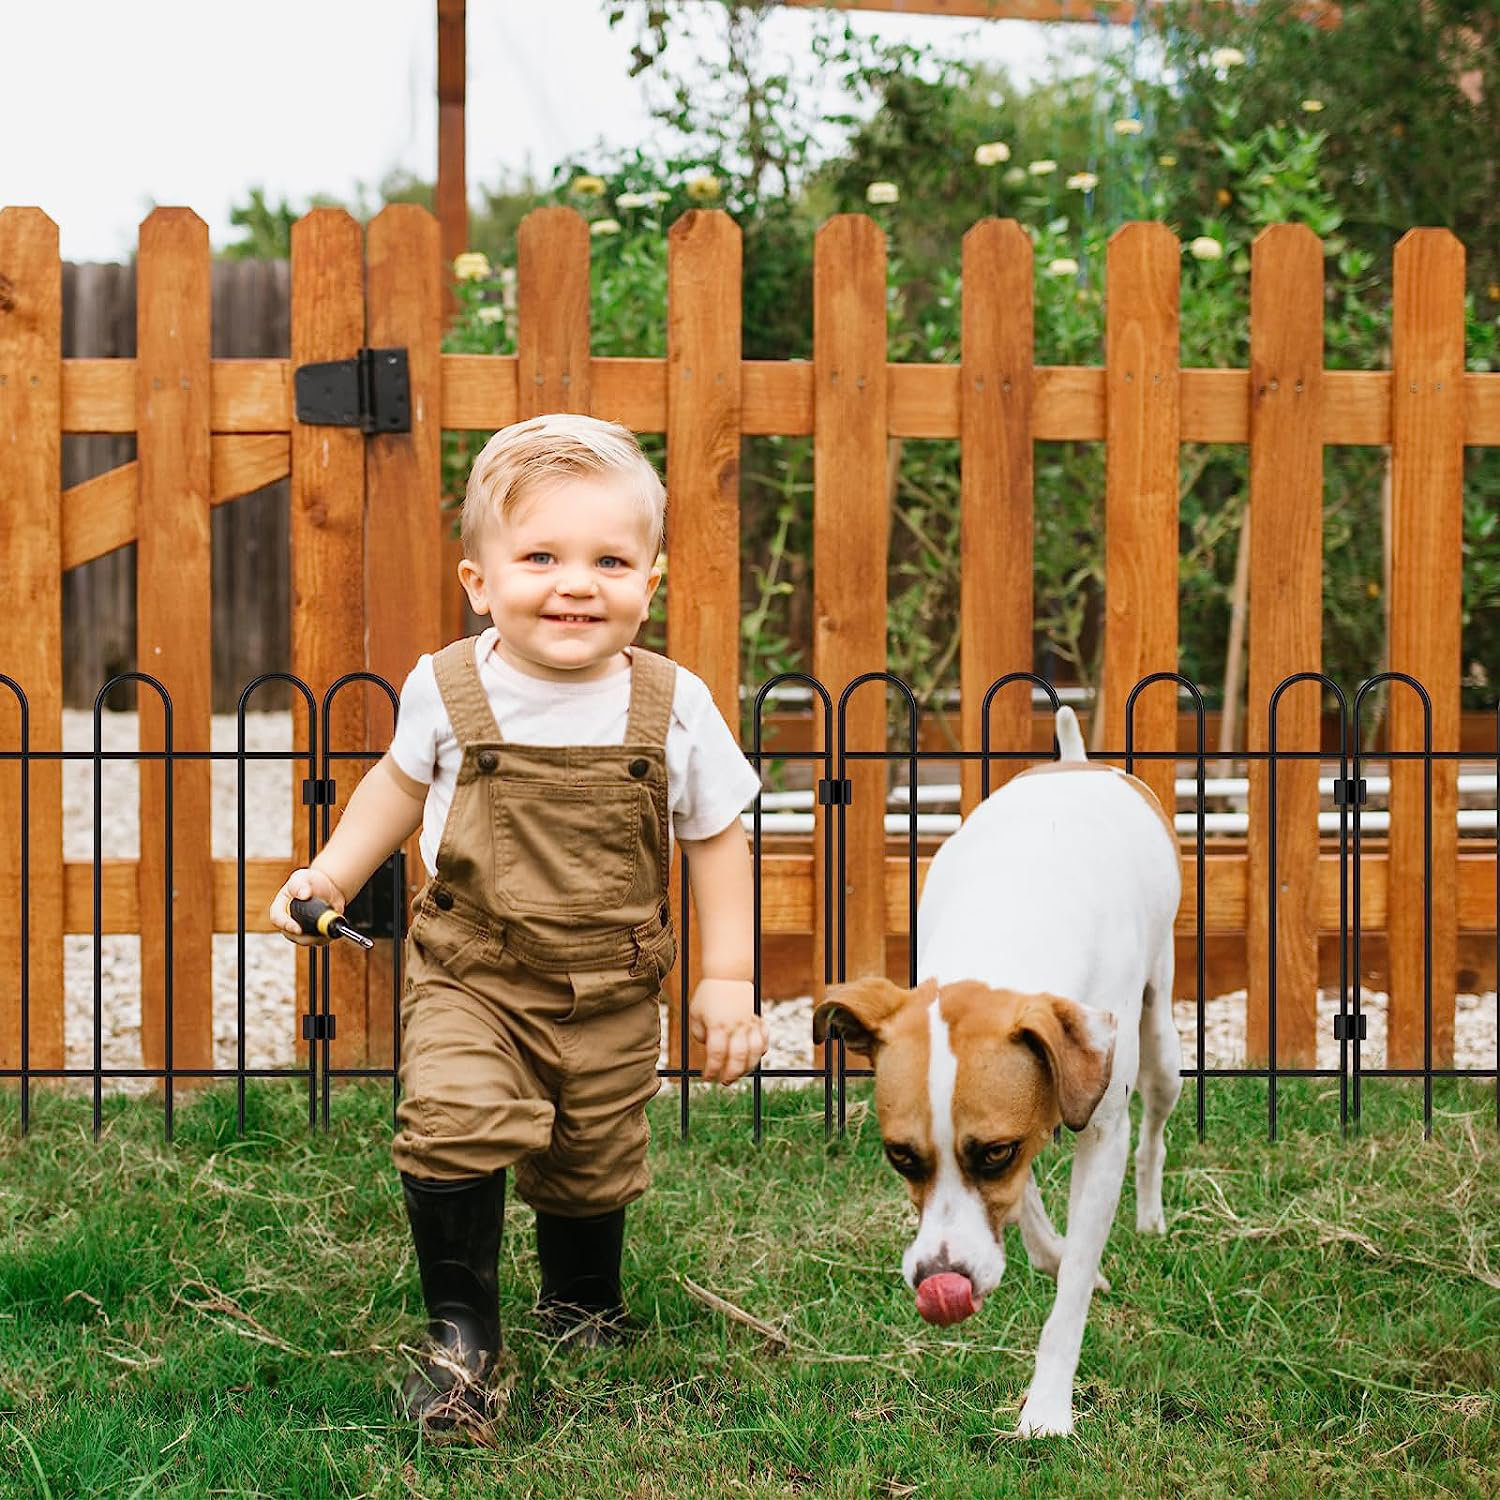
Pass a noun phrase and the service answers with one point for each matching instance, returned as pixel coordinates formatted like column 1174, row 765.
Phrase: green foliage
column 1340, row 130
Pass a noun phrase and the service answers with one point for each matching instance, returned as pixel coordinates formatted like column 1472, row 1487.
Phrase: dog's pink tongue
column 947, row 1298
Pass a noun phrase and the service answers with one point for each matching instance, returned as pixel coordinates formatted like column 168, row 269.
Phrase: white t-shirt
column 709, row 781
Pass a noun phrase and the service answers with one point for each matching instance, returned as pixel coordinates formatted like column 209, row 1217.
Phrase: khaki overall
column 529, row 1024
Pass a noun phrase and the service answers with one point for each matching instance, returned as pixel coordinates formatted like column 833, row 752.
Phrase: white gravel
column 272, row 1026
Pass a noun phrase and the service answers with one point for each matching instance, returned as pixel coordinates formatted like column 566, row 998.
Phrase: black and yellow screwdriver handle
column 318, row 919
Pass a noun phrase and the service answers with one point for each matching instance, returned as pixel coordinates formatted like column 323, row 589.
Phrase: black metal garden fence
column 381, row 905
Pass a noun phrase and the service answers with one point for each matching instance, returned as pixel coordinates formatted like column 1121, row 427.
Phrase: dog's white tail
column 1069, row 736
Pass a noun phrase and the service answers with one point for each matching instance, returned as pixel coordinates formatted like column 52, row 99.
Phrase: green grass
column 224, row 1316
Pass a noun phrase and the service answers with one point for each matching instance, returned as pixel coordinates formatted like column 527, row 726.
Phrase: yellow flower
column 1166, row 159
column 1372, row 589
column 1128, row 127
column 1042, row 168
column 1226, row 57
column 604, row 226
column 1206, row 247
column 1064, row 265
column 1312, row 106
column 991, row 154
column 1224, row 197
column 882, row 192
column 586, row 187
column 1085, row 182
column 1494, row 291
column 703, row 187
column 489, row 313
column 472, row 265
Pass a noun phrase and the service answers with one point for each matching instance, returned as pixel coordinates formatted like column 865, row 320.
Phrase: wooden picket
column 1286, row 631
column 328, row 564
column 851, row 530
column 1144, row 414
column 703, row 479
column 995, row 504
column 31, row 519
column 1426, row 602
column 174, row 630
column 367, row 527
column 404, row 519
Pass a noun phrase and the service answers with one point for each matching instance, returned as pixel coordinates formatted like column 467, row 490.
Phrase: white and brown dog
column 1045, row 993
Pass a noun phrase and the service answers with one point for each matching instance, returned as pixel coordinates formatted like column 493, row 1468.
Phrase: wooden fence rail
column 367, row 554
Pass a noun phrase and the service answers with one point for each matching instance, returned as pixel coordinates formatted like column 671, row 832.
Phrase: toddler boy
column 549, row 764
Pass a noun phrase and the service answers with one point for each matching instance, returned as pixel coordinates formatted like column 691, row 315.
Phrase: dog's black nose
column 941, row 1264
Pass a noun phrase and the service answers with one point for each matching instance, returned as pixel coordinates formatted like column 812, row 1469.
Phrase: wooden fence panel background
column 214, row 430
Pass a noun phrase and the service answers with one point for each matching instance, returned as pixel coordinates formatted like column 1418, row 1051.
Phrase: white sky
column 109, row 106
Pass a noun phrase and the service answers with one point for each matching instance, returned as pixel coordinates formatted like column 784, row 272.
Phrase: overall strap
column 463, row 693
column 653, row 679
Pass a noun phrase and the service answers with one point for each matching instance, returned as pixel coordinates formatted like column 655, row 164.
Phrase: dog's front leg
column 1098, row 1169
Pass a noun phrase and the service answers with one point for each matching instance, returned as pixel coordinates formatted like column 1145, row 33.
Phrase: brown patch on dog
column 890, row 1024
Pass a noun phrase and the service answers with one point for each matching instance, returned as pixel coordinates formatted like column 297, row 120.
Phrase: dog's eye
column 993, row 1159
column 906, row 1161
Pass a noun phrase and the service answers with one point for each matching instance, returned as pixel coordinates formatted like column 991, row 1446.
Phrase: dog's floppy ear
column 1078, row 1047
column 857, row 1011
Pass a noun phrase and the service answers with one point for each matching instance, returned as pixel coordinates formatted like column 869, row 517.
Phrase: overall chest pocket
column 565, row 850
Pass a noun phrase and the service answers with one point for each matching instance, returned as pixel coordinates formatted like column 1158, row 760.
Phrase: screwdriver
column 318, row 919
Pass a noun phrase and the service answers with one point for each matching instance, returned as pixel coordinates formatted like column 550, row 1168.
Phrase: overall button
column 487, row 760
column 638, row 768
column 443, row 900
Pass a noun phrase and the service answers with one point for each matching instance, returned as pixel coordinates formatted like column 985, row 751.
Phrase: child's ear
column 472, row 577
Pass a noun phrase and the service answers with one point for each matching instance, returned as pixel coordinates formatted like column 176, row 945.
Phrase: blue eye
column 620, row 560
column 532, row 556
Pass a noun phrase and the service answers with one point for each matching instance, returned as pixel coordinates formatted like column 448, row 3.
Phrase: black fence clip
column 372, row 392
column 319, row 793
column 835, row 793
column 1347, row 792
column 1343, row 1028
column 319, row 1028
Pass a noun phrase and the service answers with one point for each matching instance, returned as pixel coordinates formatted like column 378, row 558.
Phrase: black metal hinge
column 321, row 793
column 835, row 793
column 316, row 1028
column 1347, row 792
column 1343, row 1028
column 372, row 391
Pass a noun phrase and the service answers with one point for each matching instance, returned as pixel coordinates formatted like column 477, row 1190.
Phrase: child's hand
column 302, row 885
column 722, row 1016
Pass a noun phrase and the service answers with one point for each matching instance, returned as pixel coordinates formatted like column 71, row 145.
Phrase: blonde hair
column 521, row 458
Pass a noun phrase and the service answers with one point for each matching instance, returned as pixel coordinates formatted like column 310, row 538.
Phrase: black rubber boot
column 455, row 1226
column 580, row 1260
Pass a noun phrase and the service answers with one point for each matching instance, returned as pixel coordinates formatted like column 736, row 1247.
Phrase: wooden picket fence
column 368, row 555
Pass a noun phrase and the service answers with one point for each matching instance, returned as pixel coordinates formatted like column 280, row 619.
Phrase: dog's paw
column 1149, row 1222
column 1043, row 1417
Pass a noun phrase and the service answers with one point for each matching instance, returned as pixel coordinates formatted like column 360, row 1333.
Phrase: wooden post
column 1426, row 601
column 403, row 515
column 1286, row 631
column 174, row 628
column 1143, row 405
column 452, row 200
column 31, row 543
column 703, row 484
column 851, row 545
column 995, row 499
column 328, row 565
